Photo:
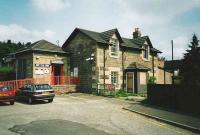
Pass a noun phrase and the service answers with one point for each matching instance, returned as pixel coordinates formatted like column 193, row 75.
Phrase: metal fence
column 56, row 80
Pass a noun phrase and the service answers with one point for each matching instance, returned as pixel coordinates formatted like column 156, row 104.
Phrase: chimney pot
column 137, row 33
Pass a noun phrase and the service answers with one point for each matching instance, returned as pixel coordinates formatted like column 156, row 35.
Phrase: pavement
column 80, row 114
column 170, row 117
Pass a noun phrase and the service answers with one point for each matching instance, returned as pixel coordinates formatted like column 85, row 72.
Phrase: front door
column 130, row 82
column 56, row 74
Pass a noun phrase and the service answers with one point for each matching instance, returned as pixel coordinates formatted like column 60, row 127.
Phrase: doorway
column 56, row 74
column 130, row 82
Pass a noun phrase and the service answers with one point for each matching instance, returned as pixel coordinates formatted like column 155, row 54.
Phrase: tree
column 10, row 47
column 191, row 63
column 193, row 46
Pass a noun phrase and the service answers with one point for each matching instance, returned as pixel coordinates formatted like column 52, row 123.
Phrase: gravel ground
column 86, row 113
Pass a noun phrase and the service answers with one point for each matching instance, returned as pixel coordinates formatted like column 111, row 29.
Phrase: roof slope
column 42, row 45
column 104, row 37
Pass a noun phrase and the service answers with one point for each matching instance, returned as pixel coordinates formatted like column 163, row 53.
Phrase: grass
column 121, row 93
column 117, row 94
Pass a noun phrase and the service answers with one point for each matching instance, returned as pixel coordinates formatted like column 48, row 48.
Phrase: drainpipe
column 123, row 69
column 153, row 64
column 104, row 66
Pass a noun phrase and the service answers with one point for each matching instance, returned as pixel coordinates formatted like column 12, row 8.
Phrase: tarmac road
column 79, row 114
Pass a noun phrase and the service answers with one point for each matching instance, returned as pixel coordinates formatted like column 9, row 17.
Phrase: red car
column 7, row 94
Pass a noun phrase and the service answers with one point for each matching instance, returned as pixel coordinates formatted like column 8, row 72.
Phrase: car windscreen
column 4, row 88
column 42, row 87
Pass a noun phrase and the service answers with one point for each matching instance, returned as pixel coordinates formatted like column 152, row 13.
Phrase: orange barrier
column 16, row 84
column 63, row 80
column 58, row 80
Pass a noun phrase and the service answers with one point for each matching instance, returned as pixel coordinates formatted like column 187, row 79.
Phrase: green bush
column 122, row 93
column 6, row 70
column 152, row 80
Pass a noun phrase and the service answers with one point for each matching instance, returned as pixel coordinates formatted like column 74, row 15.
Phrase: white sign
column 76, row 71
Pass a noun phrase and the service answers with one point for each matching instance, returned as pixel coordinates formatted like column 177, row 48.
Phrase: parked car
column 33, row 92
column 7, row 94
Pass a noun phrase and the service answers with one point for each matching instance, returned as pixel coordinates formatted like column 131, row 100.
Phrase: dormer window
column 146, row 52
column 114, row 47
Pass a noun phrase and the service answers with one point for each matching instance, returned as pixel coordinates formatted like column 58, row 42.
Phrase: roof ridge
column 109, row 30
column 87, row 30
column 36, row 43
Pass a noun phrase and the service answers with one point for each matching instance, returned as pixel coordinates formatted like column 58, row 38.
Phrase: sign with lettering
column 42, row 65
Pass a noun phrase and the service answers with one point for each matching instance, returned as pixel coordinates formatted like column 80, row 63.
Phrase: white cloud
column 156, row 19
column 180, row 45
column 51, row 5
column 19, row 33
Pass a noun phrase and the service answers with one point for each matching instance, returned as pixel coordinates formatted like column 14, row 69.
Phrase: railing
column 56, row 80
column 63, row 80
column 16, row 84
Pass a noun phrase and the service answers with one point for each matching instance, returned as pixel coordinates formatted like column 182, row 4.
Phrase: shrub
column 122, row 93
column 152, row 80
column 6, row 70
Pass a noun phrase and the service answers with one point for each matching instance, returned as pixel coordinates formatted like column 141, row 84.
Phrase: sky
column 54, row 20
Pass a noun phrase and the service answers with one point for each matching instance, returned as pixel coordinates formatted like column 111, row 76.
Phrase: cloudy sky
column 162, row 20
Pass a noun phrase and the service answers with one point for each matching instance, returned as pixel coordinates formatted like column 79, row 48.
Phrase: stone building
column 41, row 59
column 103, row 58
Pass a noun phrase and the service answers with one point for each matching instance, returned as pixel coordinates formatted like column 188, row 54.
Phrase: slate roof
column 42, row 46
column 103, row 37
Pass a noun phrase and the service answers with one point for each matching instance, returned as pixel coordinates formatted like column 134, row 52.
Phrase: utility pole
column 57, row 41
column 172, row 61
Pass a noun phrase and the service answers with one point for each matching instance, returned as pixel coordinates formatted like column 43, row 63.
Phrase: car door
column 20, row 92
column 28, row 91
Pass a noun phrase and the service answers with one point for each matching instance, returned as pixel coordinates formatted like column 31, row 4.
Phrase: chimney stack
column 137, row 33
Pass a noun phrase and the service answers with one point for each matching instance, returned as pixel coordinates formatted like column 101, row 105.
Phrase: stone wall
column 91, row 73
column 64, row 89
column 80, row 50
column 41, row 58
column 130, row 56
column 46, row 58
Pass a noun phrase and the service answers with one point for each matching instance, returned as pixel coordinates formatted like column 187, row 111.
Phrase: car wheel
column 50, row 100
column 12, row 102
column 30, row 101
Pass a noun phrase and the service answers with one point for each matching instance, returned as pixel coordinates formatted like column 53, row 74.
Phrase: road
column 79, row 114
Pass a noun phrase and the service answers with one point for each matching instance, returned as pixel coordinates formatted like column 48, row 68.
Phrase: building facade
column 41, row 59
column 104, row 58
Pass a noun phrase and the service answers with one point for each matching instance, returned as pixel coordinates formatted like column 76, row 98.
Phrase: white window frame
column 146, row 52
column 114, row 46
column 114, row 77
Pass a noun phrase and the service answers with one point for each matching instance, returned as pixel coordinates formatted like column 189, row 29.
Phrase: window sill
column 113, row 56
column 145, row 59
